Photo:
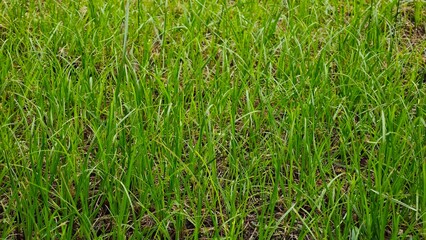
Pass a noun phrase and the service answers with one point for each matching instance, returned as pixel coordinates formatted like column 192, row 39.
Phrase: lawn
column 198, row 119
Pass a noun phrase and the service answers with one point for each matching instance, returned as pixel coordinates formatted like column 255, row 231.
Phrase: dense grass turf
column 206, row 119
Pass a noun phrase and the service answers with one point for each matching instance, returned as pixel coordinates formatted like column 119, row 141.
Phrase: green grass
column 212, row 119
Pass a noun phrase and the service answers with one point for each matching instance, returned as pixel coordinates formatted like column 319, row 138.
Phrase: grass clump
column 212, row 119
